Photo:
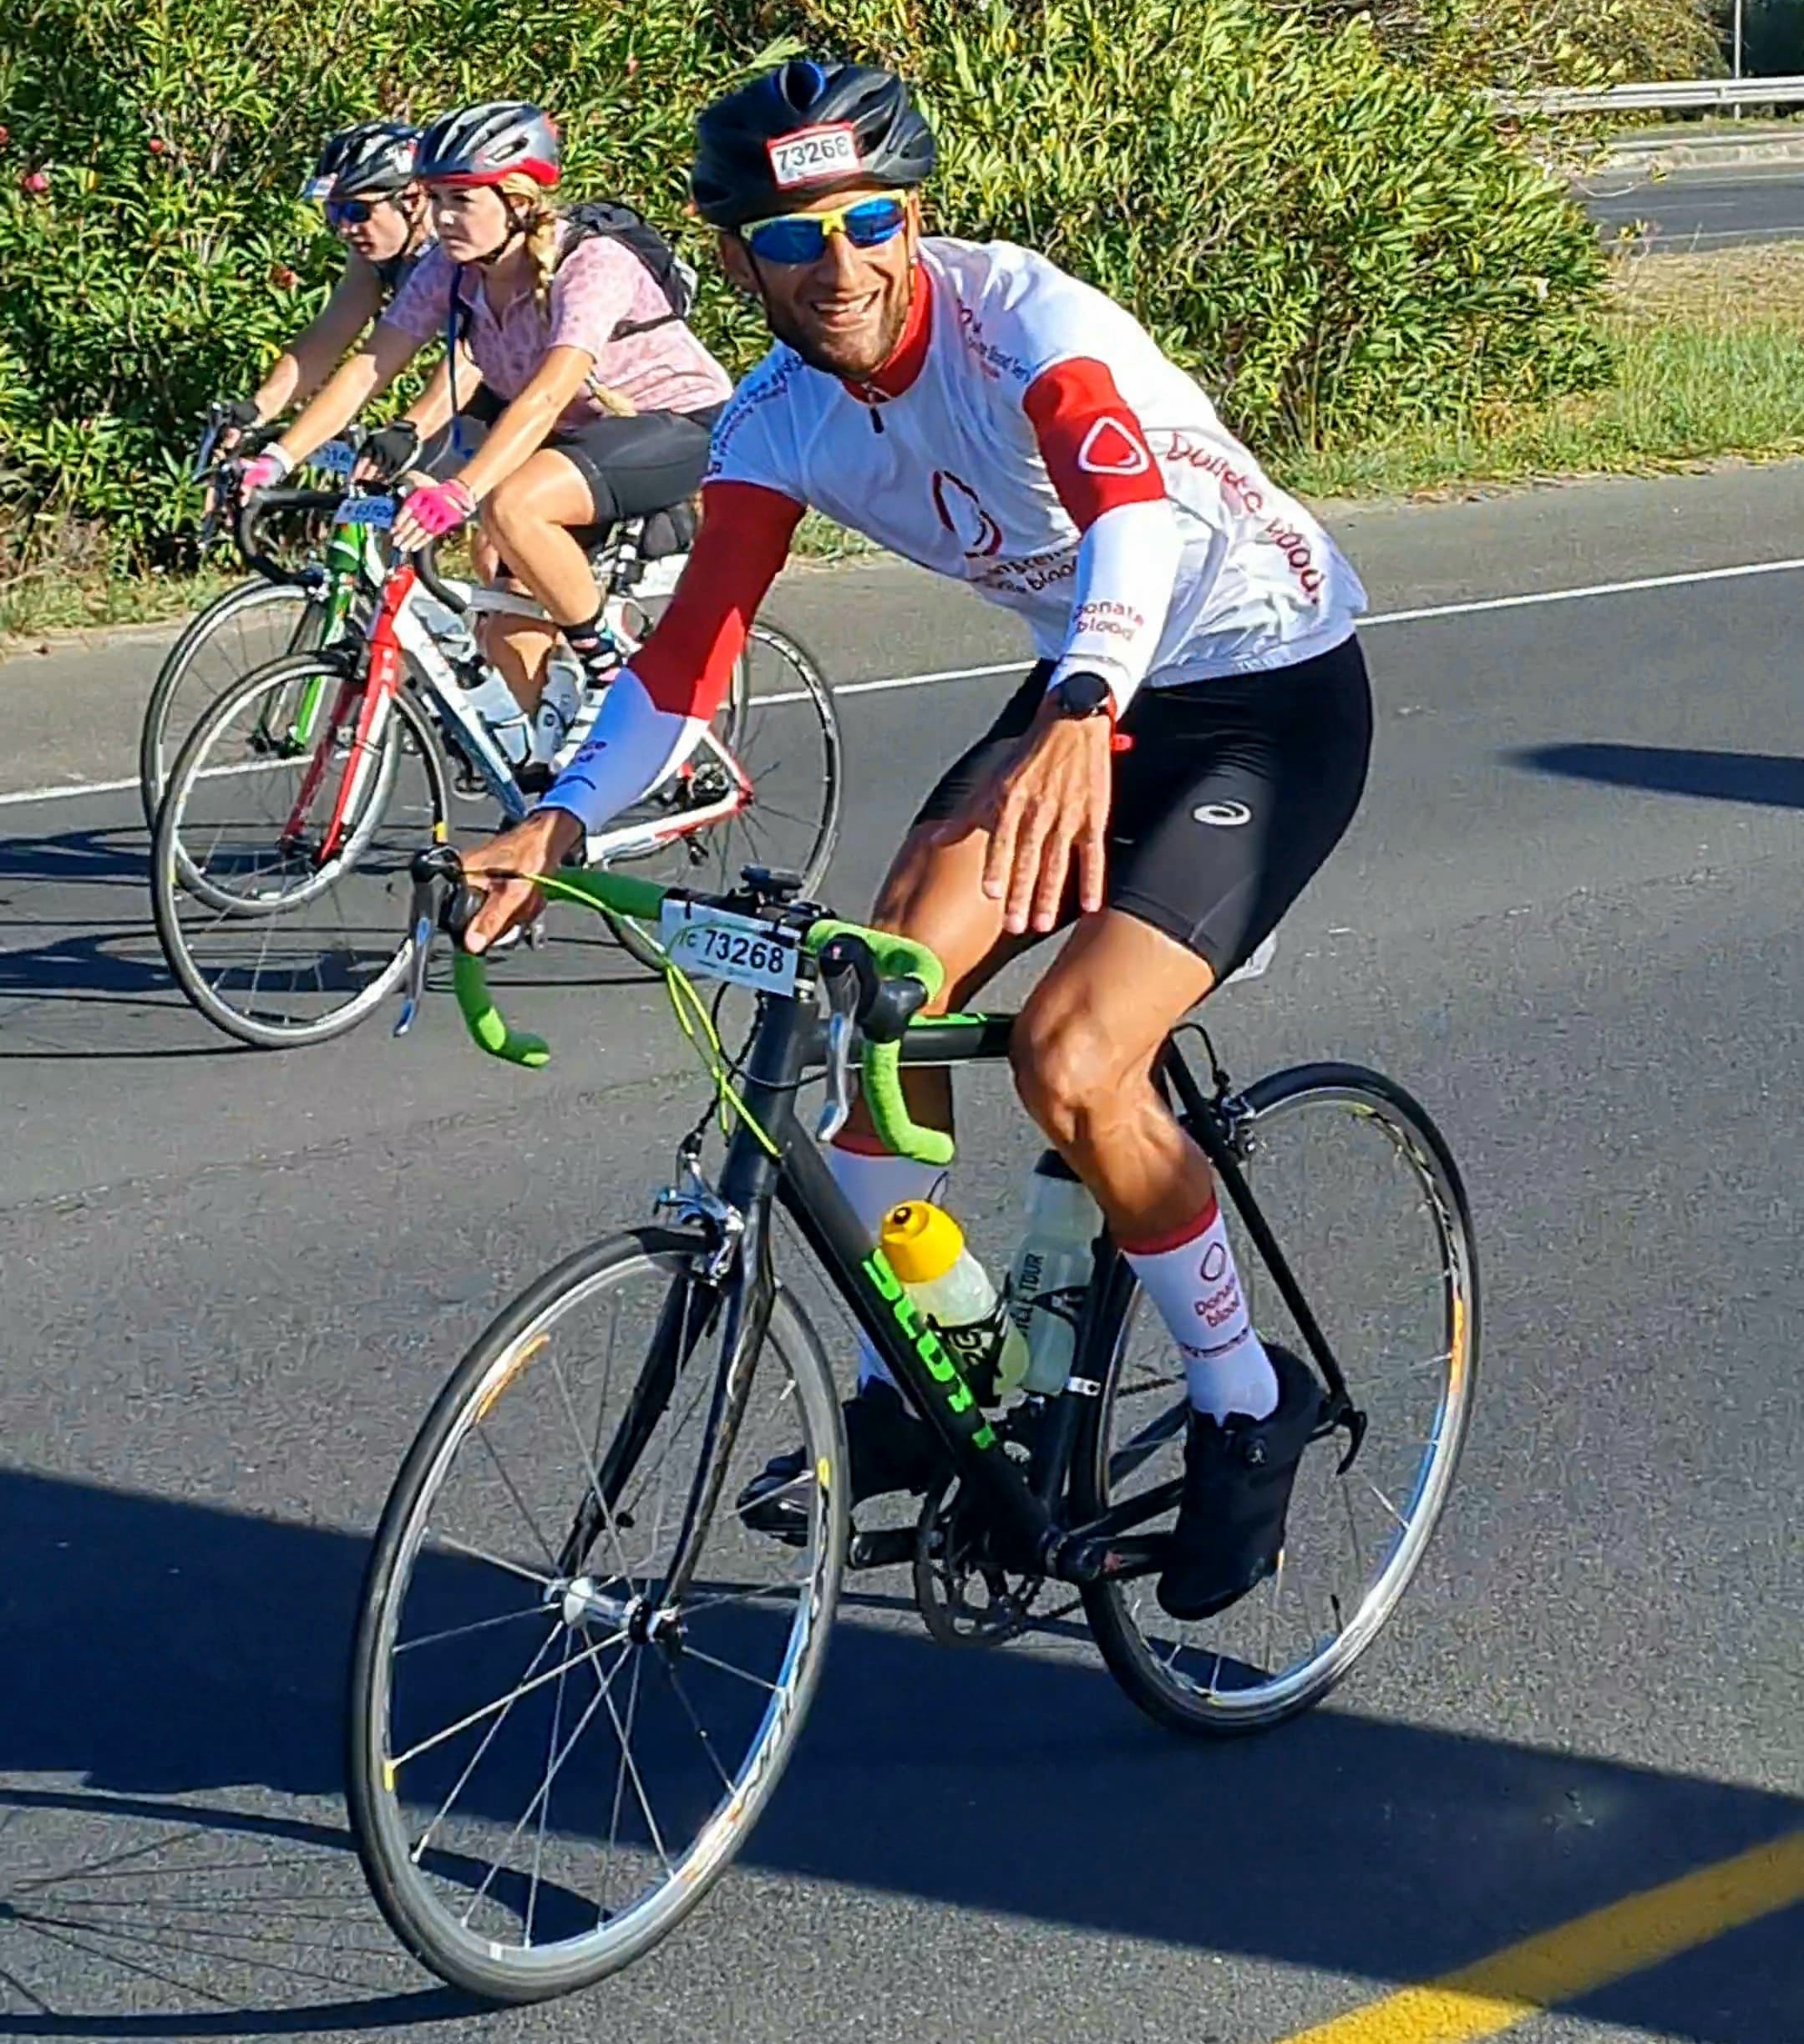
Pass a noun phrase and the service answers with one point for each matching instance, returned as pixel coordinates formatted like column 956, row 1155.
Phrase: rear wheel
column 1366, row 1204
column 551, row 1758
column 278, row 932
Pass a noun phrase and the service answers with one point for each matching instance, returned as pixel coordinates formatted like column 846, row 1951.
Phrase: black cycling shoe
column 887, row 1447
column 1237, row 1474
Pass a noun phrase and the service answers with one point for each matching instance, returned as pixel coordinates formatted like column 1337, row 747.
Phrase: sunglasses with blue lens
column 802, row 237
column 348, row 212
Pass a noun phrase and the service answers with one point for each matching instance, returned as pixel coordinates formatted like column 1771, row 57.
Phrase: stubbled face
column 471, row 220
column 385, row 234
column 844, row 313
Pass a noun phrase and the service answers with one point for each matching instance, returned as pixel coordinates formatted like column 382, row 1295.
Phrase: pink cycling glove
column 263, row 471
column 440, row 508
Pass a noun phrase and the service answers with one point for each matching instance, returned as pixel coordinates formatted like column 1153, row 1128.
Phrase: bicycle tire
column 1157, row 1688
column 501, row 1359
column 172, row 869
column 639, row 943
column 154, row 755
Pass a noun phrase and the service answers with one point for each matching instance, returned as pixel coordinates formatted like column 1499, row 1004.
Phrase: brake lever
column 841, row 1011
column 423, row 920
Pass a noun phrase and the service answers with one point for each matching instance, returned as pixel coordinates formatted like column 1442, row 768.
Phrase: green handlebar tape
column 896, row 957
column 483, row 1018
column 617, row 891
column 889, row 1110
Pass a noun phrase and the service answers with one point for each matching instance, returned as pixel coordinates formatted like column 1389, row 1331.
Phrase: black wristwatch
column 1082, row 694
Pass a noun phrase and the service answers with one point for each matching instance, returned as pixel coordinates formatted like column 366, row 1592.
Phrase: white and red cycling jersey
column 1027, row 437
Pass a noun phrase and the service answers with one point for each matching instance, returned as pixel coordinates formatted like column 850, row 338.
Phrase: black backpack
column 620, row 223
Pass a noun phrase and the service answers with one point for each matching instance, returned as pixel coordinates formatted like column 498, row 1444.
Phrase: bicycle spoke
column 476, row 1625
column 499, row 1703
column 532, row 1524
column 700, row 1730
column 588, row 1467
column 494, row 1561
column 729, row 1668
column 544, row 1788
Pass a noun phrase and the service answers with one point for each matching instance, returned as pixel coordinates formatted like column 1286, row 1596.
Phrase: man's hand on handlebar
column 540, row 844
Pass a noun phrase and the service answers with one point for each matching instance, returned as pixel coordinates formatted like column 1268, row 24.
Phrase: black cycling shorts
column 632, row 466
column 1232, row 795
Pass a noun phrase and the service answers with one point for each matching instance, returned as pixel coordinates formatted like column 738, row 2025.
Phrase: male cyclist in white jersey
column 1190, row 746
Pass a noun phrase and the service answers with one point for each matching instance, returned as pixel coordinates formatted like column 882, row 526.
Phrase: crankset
column 964, row 1596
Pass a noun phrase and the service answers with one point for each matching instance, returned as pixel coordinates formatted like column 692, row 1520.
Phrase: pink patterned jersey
column 598, row 285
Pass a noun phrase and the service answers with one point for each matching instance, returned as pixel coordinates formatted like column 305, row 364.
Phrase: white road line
column 1530, row 600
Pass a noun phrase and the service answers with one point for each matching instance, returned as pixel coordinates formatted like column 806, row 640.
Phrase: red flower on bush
column 158, row 146
column 282, row 278
column 35, row 181
column 6, row 136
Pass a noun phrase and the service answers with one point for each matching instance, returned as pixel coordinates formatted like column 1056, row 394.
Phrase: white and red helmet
column 483, row 145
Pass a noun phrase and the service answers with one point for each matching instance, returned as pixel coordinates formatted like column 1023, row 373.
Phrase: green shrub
column 1334, row 241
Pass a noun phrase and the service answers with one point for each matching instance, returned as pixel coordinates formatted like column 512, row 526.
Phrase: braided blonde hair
column 544, row 229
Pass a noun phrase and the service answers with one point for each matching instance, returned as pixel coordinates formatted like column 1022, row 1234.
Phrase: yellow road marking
column 1579, row 1957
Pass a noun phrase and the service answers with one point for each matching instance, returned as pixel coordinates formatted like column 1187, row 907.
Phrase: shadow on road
column 177, row 1649
column 1773, row 779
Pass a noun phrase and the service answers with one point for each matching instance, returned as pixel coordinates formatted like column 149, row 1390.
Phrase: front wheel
column 280, row 871
column 551, row 1757
column 1367, row 1204
column 238, row 632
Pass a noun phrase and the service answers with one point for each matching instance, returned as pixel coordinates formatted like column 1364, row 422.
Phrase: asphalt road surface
column 1568, row 916
column 1703, row 210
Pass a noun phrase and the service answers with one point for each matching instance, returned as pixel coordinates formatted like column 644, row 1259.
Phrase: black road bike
column 578, row 1674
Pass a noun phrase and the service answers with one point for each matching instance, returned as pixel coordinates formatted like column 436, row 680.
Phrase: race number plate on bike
column 335, row 458
column 367, row 511
column 715, row 944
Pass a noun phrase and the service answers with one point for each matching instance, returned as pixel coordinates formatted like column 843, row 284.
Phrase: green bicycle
column 578, row 1674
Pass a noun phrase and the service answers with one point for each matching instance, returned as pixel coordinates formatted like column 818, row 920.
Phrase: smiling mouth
column 845, row 311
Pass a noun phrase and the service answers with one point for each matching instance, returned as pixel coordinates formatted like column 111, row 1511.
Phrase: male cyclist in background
column 377, row 210
column 1189, row 747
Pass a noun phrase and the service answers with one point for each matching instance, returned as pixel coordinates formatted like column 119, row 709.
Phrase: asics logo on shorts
column 1224, row 815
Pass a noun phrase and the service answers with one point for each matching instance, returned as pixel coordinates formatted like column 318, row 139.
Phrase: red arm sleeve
column 1093, row 447
column 744, row 540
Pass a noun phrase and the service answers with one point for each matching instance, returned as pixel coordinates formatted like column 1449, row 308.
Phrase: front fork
column 730, row 1274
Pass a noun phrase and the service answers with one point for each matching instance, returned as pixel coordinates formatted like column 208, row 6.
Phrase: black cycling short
column 1232, row 795
column 633, row 466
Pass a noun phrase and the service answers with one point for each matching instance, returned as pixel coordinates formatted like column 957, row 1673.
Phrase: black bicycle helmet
column 802, row 129
column 374, row 160
column 483, row 145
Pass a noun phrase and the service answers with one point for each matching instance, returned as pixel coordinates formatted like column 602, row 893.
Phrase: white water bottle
column 1052, row 1268
column 925, row 1248
column 557, row 713
column 495, row 703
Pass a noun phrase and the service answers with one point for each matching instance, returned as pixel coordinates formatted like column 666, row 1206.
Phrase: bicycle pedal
column 889, row 1547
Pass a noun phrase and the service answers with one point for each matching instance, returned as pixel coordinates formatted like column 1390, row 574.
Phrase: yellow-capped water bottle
column 925, row 1248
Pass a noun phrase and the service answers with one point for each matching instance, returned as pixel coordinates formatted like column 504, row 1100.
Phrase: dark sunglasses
column 349, row 212
column 802, row 237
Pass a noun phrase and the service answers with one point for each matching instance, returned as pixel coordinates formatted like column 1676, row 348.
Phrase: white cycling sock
column 872, row 1181
column 1189, row 1275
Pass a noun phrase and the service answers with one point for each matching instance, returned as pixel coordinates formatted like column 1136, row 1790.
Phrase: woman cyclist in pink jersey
column 598, row 397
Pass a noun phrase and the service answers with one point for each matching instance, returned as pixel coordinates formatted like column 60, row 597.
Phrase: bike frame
column 1021, row 1510
column 401, row 643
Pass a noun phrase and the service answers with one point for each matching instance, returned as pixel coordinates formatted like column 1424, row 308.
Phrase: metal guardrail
column 1679, row 95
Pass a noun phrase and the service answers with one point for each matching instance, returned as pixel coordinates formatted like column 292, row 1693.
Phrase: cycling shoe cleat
column 887, row 1448
column 1237, row 1476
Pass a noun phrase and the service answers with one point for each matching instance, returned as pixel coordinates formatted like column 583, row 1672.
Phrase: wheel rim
column 259, row 624
column 626, row 1821
column 270, row 941
column 1317, row 1162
